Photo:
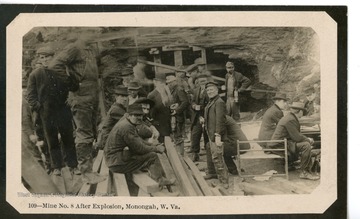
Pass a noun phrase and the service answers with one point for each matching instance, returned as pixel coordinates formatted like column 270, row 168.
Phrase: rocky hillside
column 275, row 58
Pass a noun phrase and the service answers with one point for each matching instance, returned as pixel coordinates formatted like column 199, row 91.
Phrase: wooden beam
column 169, row 172
column 215, row 191
column 175, row 48
column 121, row 187
column 59, row 182
column 178, row 58
column 102, row 188
column 198, row 177
column 192, row 180
column 145, row 183
column 85, row 189
column 178, row 168
column 34, row 174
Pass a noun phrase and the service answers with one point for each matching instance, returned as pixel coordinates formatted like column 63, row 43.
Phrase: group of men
column 63, row 97
column 276, row 126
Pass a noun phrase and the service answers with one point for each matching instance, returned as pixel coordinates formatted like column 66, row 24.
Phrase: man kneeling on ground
column 125, row 151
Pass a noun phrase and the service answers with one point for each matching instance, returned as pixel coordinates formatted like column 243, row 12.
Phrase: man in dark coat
column 178, row 106
column 235, row 83
column 115, row 113
column 125, row 151
column 309, row 103
column 272, row 117
column 161, row 111
column 215, row 126
column 298, row 144
column 46, row 94
column 198, row 104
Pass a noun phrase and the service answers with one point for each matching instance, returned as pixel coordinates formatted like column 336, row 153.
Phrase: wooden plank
column 253, row 188
column 59, row 182
column 169, row 172
column 85, row 189
column 192, row 180
column 68, row 179
column 102, row 187
column 215, row 192
column 179, row 170
column 34, row 174
column 198, row 177
column 77, row 184
column 142, row 193
column 121, row 186
column 178, row 58
column 145, row 183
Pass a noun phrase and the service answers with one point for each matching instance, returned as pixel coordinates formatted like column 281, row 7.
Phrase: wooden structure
column 259, row 154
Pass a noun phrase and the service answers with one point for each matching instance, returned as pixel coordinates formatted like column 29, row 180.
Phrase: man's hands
column 311, row 140
column 160, row 148
column 33, row 138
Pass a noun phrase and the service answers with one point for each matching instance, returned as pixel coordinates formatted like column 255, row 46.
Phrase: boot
column 166, row 182
column 93, row 178
column 195, row 157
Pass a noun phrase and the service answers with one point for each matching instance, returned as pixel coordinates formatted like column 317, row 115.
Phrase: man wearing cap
column 235, row 83
column 178, row 106
column 309, row 103
column 198, row 104
column 125, row 151
column 162, row 98
column 134, row 90
column 80, row 59
column 272, row 117
column 115, row 113
column 298, row 144
column 201, row 69
column 46, row 94
column 215, row 126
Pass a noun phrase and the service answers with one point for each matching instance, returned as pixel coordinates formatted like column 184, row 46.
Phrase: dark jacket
column 124, row 134
column 115, row 113
column 46, row 85
column 270, row 119
column 180, row 97
column 160, row 114
column 289, row 128
column 240, row 81
column 198, row 100
column 215, row 120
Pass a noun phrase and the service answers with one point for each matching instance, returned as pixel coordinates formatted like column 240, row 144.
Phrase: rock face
column 274, row 58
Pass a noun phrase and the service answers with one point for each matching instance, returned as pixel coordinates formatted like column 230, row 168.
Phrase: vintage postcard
column 172, row 113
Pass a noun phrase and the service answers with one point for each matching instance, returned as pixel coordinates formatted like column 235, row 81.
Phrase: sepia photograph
column 153, row 113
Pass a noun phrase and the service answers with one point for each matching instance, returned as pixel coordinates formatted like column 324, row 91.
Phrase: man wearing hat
column 80, row 60
column 235, row 83
column 178, row 107
column 46, row 95
column 147, row 129
column 198, row 104
column 215, row 126
column 161, row 96
column 125, row 151
column 309, row 103
column 134, row 89
column 115, row 113
column 201, row 69
column 272, row 117
column 298, row 144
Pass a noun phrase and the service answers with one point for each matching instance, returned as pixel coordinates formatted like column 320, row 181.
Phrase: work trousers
column 229, row 152
column 304, row 149
column 85, row 121
column 179, row 137
column 138, row 162
column 57, row 118
column 196, row 132
column 233, row 108
column 216, row 155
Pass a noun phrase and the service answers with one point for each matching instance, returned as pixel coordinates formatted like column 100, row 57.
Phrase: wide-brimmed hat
column 143, row 100
column 211, row 83
column 121, row 90
column 280, row 96
column 297, row 105
column 199, row 61
column 133, row 85
column 45, row 51
column 135, row 109
column 170, row 77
